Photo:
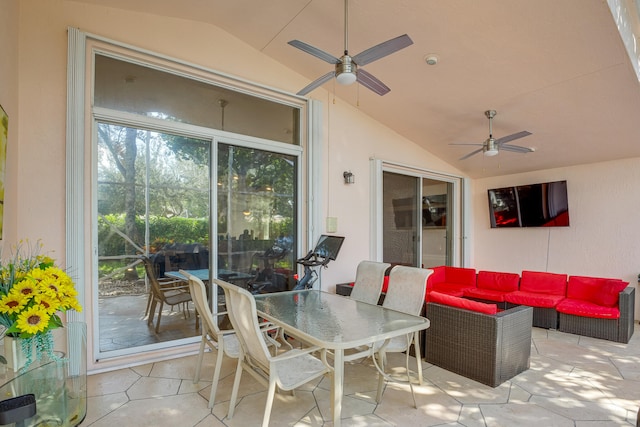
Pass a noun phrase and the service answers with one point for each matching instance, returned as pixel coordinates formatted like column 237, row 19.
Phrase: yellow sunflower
column 13, row 303
column 33, row 320
column 69, row 302
column 27, row 288
column 49, row 303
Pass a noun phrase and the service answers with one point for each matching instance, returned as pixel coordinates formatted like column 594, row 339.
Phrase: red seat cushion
column 543, row 283
column 466, row 304
column 587, row 309
column 533, row 299
column 487, row 294
column 505, row 282
column 453, row 289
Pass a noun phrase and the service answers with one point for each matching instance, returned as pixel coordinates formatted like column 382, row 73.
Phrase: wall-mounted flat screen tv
column 534, row 205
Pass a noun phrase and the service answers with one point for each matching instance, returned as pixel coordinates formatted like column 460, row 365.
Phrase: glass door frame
column 458, row 240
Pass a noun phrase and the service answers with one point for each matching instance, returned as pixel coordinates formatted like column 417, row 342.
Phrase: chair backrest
column 199, row 297
column 369, row 280
column 241, row 307
column 150, row 269
column 407, row 289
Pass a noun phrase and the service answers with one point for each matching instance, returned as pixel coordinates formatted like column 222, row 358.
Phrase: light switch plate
column 332, row 224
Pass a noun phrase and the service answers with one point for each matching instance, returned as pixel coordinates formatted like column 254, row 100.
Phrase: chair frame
column 172, row 293
column 406, row 293
column 256, row 359
column 224, row 342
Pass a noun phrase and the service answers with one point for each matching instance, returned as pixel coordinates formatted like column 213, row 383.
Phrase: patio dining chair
column 287, row 371
column 369, row 281
column 223, row 341
column 172, row 293
column 406, row 293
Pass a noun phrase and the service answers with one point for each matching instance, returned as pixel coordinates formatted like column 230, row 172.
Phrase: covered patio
column 573, row 381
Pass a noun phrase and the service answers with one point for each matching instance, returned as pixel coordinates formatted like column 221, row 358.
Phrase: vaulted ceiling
column 557, row 69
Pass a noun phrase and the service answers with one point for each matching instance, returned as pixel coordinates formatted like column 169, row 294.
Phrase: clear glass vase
column 58, row 384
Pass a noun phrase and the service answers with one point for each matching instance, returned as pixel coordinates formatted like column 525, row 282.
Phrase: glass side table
column 51, row 392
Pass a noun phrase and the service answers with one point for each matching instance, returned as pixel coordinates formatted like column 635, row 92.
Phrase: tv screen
column 534, row 205
column 328, row 246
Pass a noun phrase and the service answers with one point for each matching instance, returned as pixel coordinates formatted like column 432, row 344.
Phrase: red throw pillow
column 466, row 304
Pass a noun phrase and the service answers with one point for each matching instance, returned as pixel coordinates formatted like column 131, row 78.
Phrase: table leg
column 337, row 389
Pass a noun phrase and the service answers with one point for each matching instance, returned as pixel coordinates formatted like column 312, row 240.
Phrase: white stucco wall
column 9, row 101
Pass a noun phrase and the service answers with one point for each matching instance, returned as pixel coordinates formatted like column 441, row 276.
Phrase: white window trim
column 80, row 249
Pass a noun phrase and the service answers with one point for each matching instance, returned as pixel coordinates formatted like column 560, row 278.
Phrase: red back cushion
column 504, row 282
column 597, row 290
column 466, row 304
column 436, row 277
column 464, row 276
column 385, row 284
column 543, row 282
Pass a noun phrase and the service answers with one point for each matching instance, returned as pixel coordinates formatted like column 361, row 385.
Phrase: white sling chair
column 406, row 293
column 369, row 280
column 287, row 371
column 224, row 342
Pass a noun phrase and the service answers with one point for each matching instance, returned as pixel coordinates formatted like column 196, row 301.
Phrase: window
column 189, row 168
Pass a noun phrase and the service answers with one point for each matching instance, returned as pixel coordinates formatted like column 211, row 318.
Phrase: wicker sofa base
column 546, row 318
column 489, row 349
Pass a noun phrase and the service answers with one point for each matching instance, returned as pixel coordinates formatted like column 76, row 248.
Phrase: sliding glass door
column 417, row 217
column 153, row 201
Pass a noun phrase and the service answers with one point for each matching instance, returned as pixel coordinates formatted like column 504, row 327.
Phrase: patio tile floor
column 573, row 381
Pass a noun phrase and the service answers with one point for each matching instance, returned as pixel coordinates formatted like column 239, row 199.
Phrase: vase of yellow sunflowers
column 33, row 292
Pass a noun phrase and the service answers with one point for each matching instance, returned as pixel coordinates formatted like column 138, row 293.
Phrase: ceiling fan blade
column 464, row 143
column 473, row 153
column 511, row 137
column 516, row 148
column 370, row 82
column 381, row 50
column 316, row 83
column 327, row 57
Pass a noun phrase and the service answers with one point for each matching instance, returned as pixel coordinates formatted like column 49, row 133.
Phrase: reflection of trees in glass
column 260, row 187
column 130, row 161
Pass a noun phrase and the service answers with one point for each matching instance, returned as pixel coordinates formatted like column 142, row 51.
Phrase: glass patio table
column 336, row 323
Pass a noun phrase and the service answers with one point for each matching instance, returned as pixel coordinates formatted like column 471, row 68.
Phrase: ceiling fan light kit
column 346, row 67
column 491, row 147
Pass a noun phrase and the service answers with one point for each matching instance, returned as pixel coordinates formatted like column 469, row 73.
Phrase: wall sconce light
column 349, row 178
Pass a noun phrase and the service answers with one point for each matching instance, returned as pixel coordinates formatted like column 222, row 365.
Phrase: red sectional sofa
column 492, row 287
column 451, row 280
column 598, row 307
column 590, row 306
column 542, row 291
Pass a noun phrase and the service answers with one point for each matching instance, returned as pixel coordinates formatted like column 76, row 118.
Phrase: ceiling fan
column 491, row 146
column 347, row 69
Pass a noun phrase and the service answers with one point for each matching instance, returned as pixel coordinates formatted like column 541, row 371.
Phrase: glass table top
column 335, row 321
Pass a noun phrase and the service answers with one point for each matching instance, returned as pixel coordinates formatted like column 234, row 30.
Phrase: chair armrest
column 297, row 352
column 173, row 284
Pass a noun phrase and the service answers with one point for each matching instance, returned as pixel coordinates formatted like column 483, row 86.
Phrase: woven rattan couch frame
column 486, row 348
column 618, row 330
